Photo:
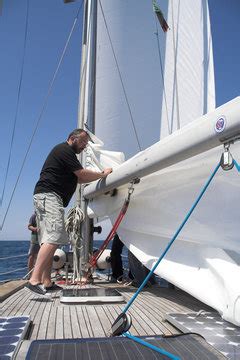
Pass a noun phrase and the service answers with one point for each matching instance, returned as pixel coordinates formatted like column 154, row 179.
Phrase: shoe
column 128, row 282
column 53, row 287
column 125, row 281
column 113, row 280
column 37, row 289
column 120, row 279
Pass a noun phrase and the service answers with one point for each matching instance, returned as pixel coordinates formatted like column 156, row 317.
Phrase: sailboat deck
column 54, row 320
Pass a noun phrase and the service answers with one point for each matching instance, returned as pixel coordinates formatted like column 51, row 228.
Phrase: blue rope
column 152, row 347
column 174, row 237
column 236, row 165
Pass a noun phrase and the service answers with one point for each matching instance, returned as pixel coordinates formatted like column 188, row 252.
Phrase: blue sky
column 48, row 28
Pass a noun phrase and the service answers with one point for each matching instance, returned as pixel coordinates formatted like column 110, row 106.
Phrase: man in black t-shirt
column 58, row 180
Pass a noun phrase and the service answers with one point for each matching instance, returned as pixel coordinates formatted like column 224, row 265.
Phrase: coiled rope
column 75, row 217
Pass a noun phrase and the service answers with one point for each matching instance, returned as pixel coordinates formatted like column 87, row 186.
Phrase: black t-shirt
column 57, row 173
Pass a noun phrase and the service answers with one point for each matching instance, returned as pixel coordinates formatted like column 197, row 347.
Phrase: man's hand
column 107, row 171
column 86, row 176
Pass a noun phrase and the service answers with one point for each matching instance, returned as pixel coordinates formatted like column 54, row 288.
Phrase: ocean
column 19, row 250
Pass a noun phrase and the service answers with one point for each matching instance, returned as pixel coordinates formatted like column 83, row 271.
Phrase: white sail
column 168, row 78
column 188, row 65
column 205, row 258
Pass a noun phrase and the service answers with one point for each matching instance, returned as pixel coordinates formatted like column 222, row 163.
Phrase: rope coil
column 75, row 217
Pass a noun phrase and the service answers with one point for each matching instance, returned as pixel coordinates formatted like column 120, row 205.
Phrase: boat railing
column 12, row 257
column 24, row 268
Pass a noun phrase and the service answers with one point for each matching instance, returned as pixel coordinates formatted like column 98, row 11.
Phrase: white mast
column 86, row 112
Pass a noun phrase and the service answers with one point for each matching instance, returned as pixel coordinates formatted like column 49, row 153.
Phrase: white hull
column 205, row 259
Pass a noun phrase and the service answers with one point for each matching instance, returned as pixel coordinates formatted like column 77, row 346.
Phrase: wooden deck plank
column 144, row 317
column 67, row 324
column 110, row 318
column 82, row 322
column 74, row 322
column 37, row 318
column 143, row 310
column 42, row 331
column 10, row 288
column 87, row 321
column 96, row 325
column 17, row 310
column 23, row 349
column 51, row 329
column 6, row 304
column 155, row 315
column 106, row 324
column 18, row 299
column 59, row 323
column 32, row 309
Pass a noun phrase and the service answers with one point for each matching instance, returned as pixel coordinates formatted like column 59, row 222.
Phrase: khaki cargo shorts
column 50, row 219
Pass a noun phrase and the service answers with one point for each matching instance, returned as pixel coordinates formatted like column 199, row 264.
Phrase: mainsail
column 148, row 79
column 149, row 84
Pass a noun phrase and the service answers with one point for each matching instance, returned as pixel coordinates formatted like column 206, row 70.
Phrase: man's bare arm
column 86, row 176
column 32, row 228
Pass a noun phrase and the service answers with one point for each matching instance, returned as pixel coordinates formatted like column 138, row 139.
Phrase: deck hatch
column 91, row 295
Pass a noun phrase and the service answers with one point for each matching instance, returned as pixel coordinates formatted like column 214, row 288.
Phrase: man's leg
column 30, row 262
column 52, row 233
column 46, row 276
column 45, row 256
column 116, row 258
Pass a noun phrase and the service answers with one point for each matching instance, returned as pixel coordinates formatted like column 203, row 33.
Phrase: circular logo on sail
column 220, row 124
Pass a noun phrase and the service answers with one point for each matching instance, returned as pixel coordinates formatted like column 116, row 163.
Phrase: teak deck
column 54, row 320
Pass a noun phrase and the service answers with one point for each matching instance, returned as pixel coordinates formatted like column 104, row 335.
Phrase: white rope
column 73, row 227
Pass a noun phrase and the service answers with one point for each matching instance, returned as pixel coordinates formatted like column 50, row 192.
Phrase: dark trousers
column 116, row 257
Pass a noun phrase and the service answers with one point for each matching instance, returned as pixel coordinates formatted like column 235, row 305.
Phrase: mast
column 86, row 112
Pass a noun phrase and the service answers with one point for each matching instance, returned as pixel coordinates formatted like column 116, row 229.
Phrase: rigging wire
column 162, row 75
column 42, row 111
column 120, row 76
column 17, row 105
